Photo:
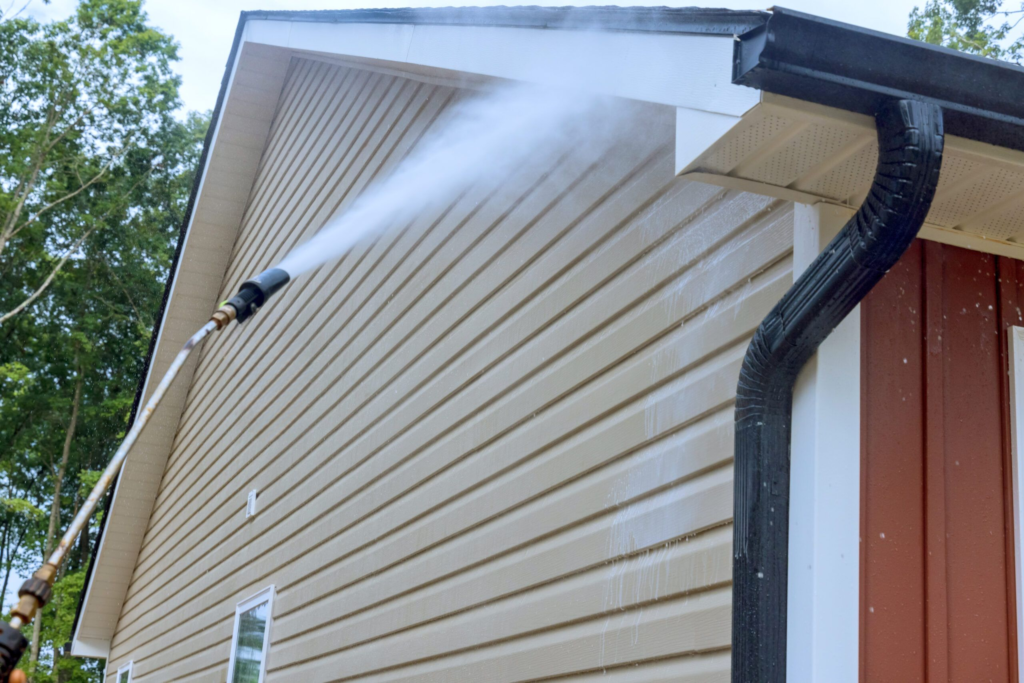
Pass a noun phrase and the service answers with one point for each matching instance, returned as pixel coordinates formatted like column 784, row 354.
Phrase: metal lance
column 38, row 589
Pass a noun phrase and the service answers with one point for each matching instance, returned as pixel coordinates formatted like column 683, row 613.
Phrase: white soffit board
column 806, row 152
column 680, row 70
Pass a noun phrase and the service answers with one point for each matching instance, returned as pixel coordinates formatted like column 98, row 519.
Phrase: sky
column 205, row 28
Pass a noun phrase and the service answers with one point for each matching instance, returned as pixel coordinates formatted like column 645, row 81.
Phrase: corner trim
column 824, row 527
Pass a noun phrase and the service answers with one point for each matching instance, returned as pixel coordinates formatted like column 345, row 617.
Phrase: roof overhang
column 811, row 137
column 810, row 153
column 856, row 69
column 802, row 130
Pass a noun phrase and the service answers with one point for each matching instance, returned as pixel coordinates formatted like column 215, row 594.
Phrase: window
column 124, row 673
column 248, row 662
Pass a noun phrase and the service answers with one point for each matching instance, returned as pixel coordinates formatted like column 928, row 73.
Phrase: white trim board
column 690, row 72
column 232, row 158
column 823, row 614
column 679, row 70
column 1016, row 353
column 81, row 647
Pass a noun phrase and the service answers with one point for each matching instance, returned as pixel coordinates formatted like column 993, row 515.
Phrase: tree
column 981, row 27
column 80, row 104
column 96, row 167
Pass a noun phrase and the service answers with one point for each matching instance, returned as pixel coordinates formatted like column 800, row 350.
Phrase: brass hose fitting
column 223, row 315
column 35, row 593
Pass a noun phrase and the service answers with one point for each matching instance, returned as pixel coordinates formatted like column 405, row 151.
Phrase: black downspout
column 910, row 139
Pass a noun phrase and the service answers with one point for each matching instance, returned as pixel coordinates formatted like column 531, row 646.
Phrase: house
column 497, row 444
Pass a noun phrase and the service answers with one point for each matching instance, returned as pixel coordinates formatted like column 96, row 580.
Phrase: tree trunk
column 5, row 554
column 12, row 218
column 51, row 532
column 9, row 562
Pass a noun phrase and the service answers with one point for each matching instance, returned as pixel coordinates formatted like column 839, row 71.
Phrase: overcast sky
column 205, row 28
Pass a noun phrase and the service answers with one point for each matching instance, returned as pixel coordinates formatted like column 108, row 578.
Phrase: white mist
column 486, row 138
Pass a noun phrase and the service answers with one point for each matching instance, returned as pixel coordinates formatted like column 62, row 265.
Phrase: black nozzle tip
column 253, row 294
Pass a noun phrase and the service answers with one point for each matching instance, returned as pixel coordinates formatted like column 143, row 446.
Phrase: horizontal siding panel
column 584, row 363
column 661, row 574
column 709, row 668
column 577, row 548
column 472, row 434
column 492, row 444
column 689, row 625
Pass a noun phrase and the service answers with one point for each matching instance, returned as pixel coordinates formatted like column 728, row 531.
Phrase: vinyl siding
column 494, row 444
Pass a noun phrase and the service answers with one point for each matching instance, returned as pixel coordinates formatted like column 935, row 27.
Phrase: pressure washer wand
column 38, row 589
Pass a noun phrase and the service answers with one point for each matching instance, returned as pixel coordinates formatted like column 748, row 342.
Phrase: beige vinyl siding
column 494, row 444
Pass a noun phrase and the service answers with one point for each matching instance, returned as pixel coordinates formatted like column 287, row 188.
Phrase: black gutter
column 182, row 231
column 910, row 141
column 853, row 68
column 691, row 20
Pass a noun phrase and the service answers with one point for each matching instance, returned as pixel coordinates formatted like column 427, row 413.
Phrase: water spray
column 36, row 592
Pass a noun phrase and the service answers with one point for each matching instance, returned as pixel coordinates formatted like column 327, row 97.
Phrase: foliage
column 96, row 166
column 981, row 27
column 58, row 619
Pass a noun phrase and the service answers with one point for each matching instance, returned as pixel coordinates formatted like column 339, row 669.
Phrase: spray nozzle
column 255, row 292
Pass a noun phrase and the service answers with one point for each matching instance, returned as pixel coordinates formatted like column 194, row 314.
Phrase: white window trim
column 266, row 595
column 122, row 669
column 823, row 611
column 1016, row 353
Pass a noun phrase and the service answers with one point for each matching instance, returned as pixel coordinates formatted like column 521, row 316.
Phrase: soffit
column 809, row 153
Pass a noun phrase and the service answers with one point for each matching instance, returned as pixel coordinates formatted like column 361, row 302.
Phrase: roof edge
column 692, row 20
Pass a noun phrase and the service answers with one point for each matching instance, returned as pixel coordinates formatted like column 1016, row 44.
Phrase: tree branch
column 66, row 197
column 70, row 127
column 67, row 254
column 46, row 283
column 12, row 219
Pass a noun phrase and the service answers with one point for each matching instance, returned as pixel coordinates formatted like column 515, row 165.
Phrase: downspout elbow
column 910, row 143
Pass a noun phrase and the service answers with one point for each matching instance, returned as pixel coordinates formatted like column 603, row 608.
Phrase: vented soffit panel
column 810, row 153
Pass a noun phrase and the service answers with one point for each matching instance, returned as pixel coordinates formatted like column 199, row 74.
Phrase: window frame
column 126, row 667
column 266, row 595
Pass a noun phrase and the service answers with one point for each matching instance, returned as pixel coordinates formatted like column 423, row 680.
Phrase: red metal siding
column 937, row 580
